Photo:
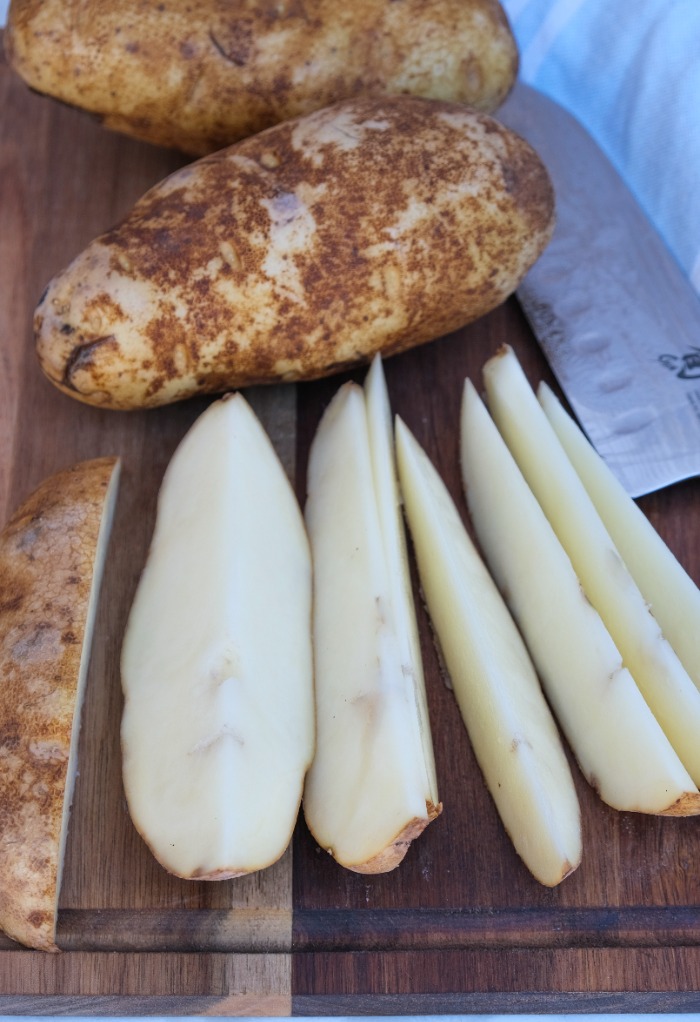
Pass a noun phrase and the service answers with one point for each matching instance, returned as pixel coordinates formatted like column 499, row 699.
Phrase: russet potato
column 371, row 226
column 52, row 553
column 200, row 76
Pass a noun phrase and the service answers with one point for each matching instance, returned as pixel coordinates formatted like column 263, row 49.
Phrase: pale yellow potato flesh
column 672, row 595
column 200, row 76
column 618, row 743
column 371, row 226
column 391, row 521
column 371, row 788
column 218, row 723
column 52, row 554
column 673, row 698
column 510, row 725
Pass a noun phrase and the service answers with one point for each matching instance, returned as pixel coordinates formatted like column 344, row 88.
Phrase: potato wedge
column 372, row 788
column 510, row 725
column 218, row 723
column 368, row 227
column 51, row 557
column 619, row 745
column 672, row 595
column 669, row 691
column 199, row 77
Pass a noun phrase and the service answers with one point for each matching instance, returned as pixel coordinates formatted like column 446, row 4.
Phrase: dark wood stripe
column 435, row 929
column 540, row 1003
column 117, row 1005
column 221, row 930
column 184, row 930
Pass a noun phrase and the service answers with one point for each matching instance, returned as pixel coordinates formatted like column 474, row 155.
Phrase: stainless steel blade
column 616, row 318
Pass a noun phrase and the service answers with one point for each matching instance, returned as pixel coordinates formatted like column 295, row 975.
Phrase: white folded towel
column 630, row 72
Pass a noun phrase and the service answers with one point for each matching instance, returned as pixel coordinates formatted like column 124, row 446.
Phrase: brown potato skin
column 374, row 225
column 47, row 571
column 393, row 855
column 200, row 76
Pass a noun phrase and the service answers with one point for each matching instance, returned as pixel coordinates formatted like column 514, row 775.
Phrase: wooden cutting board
column 460, row 926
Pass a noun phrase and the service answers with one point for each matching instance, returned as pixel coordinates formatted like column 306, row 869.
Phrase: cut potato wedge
column 371, row 789
column 389, row 507
column 666, row 686
column 510, row 725
column 52, row 554
column 616, row 739
column 672, row 595
column 218, row 722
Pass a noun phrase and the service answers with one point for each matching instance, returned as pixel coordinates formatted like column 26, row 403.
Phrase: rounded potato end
column 393, row 855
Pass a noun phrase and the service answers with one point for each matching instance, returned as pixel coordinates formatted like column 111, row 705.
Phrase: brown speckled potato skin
column 199, row 76
column 47, row 564
column 395, row 853
column 371, row 226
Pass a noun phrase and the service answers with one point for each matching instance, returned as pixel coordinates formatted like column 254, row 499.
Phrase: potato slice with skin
column 510, row 725
column 52, row 554
column 664, row 683
column 619, row 744
column 371, row 788
column 672, row 595
column 217, row 729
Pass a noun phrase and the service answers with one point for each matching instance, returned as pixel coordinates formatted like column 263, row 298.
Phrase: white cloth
column 630, row 72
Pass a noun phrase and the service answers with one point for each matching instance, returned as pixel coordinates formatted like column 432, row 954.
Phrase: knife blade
column 613, row 312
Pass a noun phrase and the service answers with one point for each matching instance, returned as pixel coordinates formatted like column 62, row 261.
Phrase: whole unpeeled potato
column 201, row 76
column 374, row 225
